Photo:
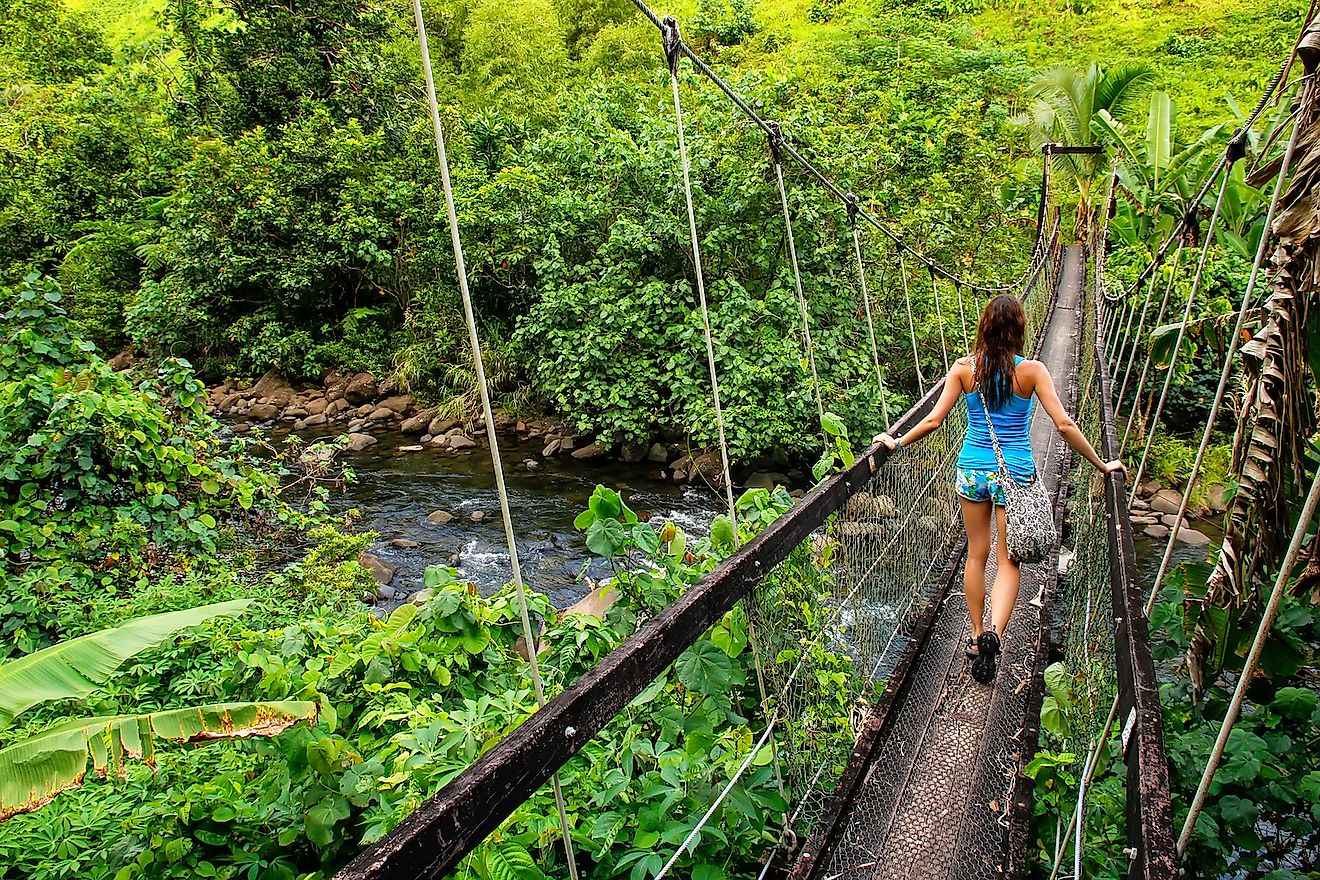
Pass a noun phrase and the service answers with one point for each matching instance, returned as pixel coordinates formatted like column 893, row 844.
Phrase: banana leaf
column 76, row 667
column 36, row 769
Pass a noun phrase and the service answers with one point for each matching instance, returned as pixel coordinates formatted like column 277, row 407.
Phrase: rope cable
column 479, row 366
column 866, row 302
column 1145, row 366
column 912, row 325
column 939, row 320
column 1248, row 669
column 962, row 315
column 1227, row 369
column 1206, row 244
column 670, row 39
column 1136, row 338
column 776, row 143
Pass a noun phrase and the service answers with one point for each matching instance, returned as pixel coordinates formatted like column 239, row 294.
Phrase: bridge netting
column 862, row 749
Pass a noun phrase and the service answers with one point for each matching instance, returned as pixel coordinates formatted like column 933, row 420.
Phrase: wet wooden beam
column 435, row 838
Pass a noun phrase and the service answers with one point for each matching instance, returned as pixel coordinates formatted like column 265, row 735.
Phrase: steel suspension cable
column 1227, row 369
column 777, row 143
column 488, row 412
column 1136, row 337
column 1207, row 242
column 1145, row 366
column 671, row 40
column 866, row 302
column 772, row 130
column 962, row 315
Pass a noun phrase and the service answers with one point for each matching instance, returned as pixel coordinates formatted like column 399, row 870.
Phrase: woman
column 1001, row 384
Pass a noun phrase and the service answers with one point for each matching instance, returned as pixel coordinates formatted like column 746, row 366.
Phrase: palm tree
column 1067, row 104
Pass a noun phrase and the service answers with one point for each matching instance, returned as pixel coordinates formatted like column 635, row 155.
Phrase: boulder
column 403, row 543
column 382, row 414
column 550, row 449
column 759, row 480
column 317, row 405
column 360, row 389
column 598, row 601
column 1169, row 519
column 1157, row 531
column 400, row 403
column 272, row 387
column 228, row 402
column 414, row 448
column 520, row 427
column 441, row 425
column 364, row 410
column 1193, row 537
column 1150, row 487
column 1166, row 501
column 387, row 592
column 1217, row 498
column 593, row 450
column 477, row 515
column 657, row 453
column 708, row 467
column 439, row 517
column 566, row 444
column 335, row 407
column 264, row 412
column 314, row 420
column 359, row 442
column 417, row 424
column 379, row 568
column 634, row 452
column 241, row 428
column 459, row 441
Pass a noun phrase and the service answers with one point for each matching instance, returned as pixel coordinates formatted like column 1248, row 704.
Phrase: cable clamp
column 1237, row 147
column 672, row 41
column 775, row 135
column 850, row 202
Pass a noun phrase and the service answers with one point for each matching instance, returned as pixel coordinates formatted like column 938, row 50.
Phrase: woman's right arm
column 1066, row 425
column 953, row 387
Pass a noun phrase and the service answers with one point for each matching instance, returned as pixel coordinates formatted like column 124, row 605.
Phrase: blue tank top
column 1012, row 427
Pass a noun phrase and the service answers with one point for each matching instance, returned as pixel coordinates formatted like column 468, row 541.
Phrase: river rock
column 1217, row 498
column 228, row 403
column 359, row 442
column 379, row 568
column 657, row 453
column 550, row 449
column 460, row 441
column 759, row 480
column 477, row 515
column 1191, row 536
column 263, row 412
column 314, row 420
column 1157, row 531
column 531, row 464
column 417, row 424
column 633, row 452
column 1169, row 519
column 240, row 427
column 413, row 448
column 1150, row 487
column 316, row 406
column 591, row 450
column 439, row 517
column 520, row 427
column 335, row 407
column 1167, row 501
column 708, row 467
column 360, row 389
column 356, row 425
column 370, row 598
column 364, row 410
column 404, row 543
column 399, row 403
column 382, row 414
column 441, row 425
column 387, row 592
column 566, row 444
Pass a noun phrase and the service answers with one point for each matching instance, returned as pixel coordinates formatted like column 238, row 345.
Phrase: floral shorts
column 979, row 486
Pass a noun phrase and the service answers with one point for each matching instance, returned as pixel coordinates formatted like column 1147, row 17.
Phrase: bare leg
column 976, row 519
column 1008, row 577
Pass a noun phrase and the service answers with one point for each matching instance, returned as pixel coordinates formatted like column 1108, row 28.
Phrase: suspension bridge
column 932, row 777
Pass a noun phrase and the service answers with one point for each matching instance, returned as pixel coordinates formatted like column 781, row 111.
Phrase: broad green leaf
column 77, row 667
column 721, row 533
column 36, row 769
column 704, row 668
column 1159, row 134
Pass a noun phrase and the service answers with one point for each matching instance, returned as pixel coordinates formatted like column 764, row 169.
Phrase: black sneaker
column 987, row 655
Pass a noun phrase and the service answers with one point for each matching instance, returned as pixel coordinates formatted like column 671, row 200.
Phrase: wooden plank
column 435, row 838
column 1149, row 801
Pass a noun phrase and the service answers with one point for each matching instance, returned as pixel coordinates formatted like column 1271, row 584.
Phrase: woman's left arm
column 953, row 387
column 1066, row 425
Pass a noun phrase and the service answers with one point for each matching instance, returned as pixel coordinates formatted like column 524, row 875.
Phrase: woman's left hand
column 1115, row 466
column 889, row 442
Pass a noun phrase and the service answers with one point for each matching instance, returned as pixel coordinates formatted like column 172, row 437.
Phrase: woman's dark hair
column 999, row 337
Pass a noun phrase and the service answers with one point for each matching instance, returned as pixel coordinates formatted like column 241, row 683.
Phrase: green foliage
column 41, row 41
column 724, row 21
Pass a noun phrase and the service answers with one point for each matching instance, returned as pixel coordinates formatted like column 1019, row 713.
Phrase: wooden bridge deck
column 936, row 799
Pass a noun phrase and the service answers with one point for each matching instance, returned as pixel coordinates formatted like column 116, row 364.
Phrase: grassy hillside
column 123, row 21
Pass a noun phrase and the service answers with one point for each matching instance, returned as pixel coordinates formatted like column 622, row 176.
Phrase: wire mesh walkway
column 936, row 800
